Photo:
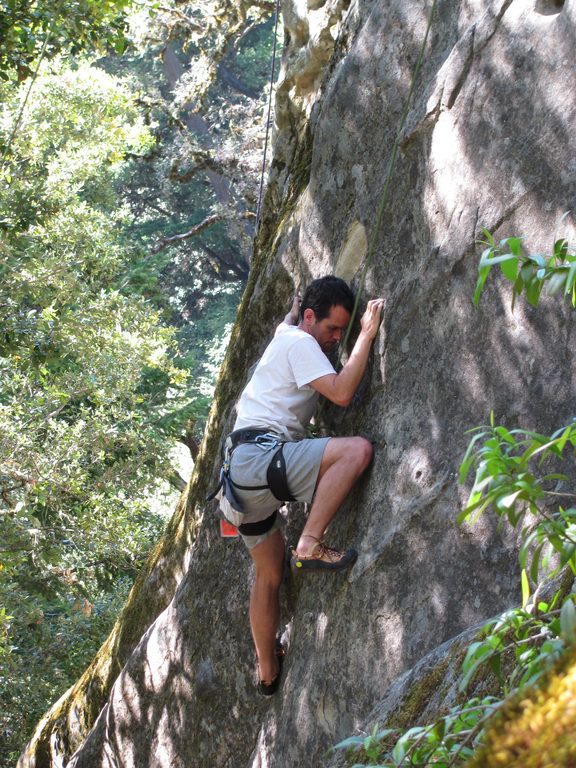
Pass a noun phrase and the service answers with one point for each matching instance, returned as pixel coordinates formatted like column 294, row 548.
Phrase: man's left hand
column 371, row 318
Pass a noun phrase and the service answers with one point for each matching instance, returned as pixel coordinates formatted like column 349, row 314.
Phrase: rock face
column 488, row 142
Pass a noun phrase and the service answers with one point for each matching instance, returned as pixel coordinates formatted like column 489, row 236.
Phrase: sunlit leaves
column 89, row 393
column 51, row 644
column 30, row 28
column 447, row 742
column 518, row 646
column 86, row 365
column 520, row 475
column 529, row 273
column 507, row 464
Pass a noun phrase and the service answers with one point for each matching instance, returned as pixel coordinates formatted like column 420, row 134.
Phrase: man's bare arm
column 340, row 388
column 293, row 315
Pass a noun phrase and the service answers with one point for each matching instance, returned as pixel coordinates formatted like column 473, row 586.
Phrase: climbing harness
column 272, row 71
column 277, row 481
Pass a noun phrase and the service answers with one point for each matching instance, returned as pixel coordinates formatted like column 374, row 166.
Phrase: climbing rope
column 272, row 72
column 387, row 179
column 383, row 199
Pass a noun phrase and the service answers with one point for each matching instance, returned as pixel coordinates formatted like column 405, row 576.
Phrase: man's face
column 329, row 331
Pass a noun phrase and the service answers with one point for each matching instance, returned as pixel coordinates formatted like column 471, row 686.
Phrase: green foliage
column 529, row 273
column 508, row 477
column 86, row 368
column 519, row 645
column 254, row 53
column 205, row 340
column 203, row 165
column 51, row 643
column 89, row 392
column 447, row 742
column 96, row 170
column 31, row 27
column 513, row 477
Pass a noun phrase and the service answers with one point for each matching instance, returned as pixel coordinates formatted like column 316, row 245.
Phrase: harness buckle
column 268, row 440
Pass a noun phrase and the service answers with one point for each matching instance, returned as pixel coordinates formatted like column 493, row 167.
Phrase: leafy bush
column 529, row 273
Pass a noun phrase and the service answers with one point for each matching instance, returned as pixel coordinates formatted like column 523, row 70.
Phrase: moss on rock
column 537, row 727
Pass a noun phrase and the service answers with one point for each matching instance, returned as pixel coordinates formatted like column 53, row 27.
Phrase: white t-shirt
column 278, row 396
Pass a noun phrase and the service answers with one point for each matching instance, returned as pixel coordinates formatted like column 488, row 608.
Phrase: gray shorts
column 249, row 465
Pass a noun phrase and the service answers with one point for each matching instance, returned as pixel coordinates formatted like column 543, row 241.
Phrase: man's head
column 324, row 293
column 325, row 310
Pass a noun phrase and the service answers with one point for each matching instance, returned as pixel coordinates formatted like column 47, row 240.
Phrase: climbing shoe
column 268, row 689
column 323, row 558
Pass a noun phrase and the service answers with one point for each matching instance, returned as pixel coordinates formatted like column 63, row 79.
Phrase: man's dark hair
column 324, row 293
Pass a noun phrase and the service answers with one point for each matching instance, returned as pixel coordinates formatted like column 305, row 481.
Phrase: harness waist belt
column 247, row 435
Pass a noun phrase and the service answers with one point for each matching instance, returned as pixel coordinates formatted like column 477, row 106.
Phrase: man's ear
column 309, row 316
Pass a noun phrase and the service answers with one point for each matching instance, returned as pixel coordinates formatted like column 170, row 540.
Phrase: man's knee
column 268, row 558
column 270, row 575
column 362, row 451
column 353, row 452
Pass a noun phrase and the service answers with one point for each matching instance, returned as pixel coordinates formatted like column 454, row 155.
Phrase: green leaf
column 439, row 729
column 352, row 741
column 503, row 433
column 556, row 281
column 515, row 245
column 469, row 457
column 496, row 666
column 568, row 620
column 537, row 259
column 571, row 278
column 489, row 238
column 476, row 655
column 506, row 502
column 534, row 567
column 509, row 268
column 483, row 274
column 487, row 260
column 533, row 290
column 560, row 249
column 525, row 588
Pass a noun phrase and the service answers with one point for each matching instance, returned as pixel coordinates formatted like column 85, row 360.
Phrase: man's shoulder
column 290, row 336
column 297, row 346
column 285, row 331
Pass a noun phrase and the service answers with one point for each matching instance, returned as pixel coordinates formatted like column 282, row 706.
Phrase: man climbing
column 269, row 459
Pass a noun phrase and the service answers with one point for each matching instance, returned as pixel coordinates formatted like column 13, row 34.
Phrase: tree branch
column 176, row 481
column 208, row 222
column 203, row 160
column 230, row 79
column 192, row 25
column 227, row 259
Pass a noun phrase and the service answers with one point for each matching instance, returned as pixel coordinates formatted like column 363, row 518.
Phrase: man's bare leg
column 344, row 461
column 268, row 557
